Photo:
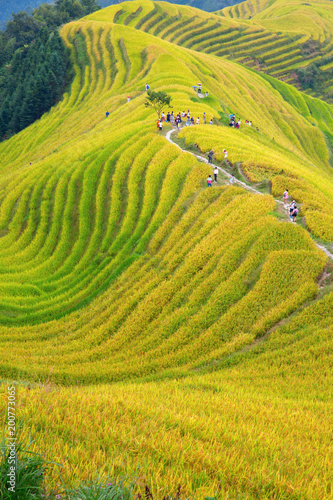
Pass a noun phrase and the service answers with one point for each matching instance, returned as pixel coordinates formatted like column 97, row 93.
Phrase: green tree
column 158, row 101
column 90, row 6
column 23, row 28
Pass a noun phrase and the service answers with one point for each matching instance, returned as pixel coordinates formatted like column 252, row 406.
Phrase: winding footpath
column 245, row 186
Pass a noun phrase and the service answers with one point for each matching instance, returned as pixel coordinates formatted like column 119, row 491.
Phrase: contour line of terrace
column 245, row 186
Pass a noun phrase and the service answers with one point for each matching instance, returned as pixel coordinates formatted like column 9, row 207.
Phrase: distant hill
column 6, row 8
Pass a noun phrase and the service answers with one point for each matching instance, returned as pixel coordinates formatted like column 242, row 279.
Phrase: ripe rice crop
column 158, row 322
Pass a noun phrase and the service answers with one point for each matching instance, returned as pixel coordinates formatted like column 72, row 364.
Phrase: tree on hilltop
column 157, row 101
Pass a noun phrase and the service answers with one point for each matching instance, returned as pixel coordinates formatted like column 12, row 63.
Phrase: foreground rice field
column 183, row 329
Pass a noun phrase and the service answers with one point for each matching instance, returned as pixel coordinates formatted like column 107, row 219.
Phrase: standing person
column 172, row 118
column 197, row 122
column 128, row 99
column 285, row 198
column 168, row 116
column 188, row 114
column 162, row 116
column 225, row 155
column 204, row 118
column 183, row 114
column 161, row 126
column 210, row 156
column 158, row 125
column 107, row 114
column 211, row 122
column 216, row 171
column 199, row 88
column 209, row 181
column 192, row 120
column 147, row 87
column 232, row 180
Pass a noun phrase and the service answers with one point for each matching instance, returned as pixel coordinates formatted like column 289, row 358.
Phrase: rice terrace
column 154, row 327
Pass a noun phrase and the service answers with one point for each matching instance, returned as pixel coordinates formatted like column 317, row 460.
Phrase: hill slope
column 281, row 48
column 6, row 9
column 120, row 267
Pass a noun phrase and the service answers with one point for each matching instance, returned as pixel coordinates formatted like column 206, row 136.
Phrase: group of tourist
column 183, row 117
column 237, row 123
column 216, row 171
column 293, row 210
column 211, row 154
column 198, row 88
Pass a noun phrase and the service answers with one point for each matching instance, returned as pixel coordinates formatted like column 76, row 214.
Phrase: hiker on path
column 107, row 114
column 293, row 214
column 192, row 120
column 147, row 87
column 204, row 118
column 162, row 117
column 209, row 181
column 210, row 156
column 232, row 180
column 168, row 116
column 285, row 198
column 216, row 171
column 292, row 208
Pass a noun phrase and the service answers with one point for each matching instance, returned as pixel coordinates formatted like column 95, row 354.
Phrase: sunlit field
column 151, row 321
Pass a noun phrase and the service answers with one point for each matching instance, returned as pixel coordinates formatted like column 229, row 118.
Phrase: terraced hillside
column 279, row 39
column 206, row 318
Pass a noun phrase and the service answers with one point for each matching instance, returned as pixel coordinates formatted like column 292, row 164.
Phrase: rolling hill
column 267, row 38
column 148, row 319
column 6, row 8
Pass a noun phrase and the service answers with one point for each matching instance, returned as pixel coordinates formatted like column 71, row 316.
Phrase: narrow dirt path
column 245, row 186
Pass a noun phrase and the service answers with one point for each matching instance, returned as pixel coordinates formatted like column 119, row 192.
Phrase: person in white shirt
column 197, row 122
column 232, row 180
column 216, row 171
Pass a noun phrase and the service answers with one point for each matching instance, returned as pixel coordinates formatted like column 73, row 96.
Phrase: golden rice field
column 148, row 320
column 273, row 37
